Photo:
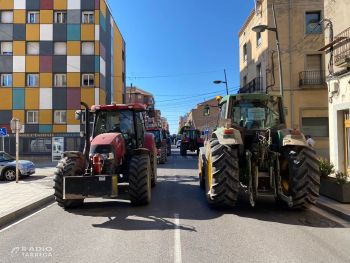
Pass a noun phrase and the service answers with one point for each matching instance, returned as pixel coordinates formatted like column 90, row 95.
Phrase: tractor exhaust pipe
column 87, row 130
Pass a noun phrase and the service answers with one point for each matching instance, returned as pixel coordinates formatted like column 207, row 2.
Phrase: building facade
column 337, row 51
column 55, row 54
column 303, row 66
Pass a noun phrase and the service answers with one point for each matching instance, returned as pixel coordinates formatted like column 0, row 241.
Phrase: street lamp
column 219, row 82
column 262, row 28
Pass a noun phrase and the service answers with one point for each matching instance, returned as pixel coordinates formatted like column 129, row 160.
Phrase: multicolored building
column 55, row 54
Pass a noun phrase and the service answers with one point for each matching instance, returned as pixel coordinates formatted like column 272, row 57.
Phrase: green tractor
column 253, row 149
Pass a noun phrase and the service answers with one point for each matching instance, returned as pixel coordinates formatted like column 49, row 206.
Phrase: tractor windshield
column 192, row 135
column 256, row 114
column 121, row 121
column 156, row 137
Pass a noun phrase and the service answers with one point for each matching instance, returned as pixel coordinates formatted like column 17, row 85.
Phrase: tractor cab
column 160, row 138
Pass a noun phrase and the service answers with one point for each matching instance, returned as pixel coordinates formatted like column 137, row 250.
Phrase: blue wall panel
column 18, row 98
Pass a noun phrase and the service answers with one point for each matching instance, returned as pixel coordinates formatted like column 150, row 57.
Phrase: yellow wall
column 19, row 16
column 19, row 114
column 46, row 80
column 88, row 96
column 32, row 98
column 6, row 4
column 59, row 128
column 71, row 117
column 97, row 48
column 59, row 4
column 32, row 63
column 87, row 32
column 19, row 80
column 6, row 99
column 97, row 17
column 103, row 7
column 73, row 80
column 118, row 66
column 45, row 116
column 19, row 48
column 32, row 32
column 46, row 16
column 73, row 48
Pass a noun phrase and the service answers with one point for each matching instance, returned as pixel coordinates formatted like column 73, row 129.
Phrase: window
column 33, row 48
column 33, row 17
column 258, row 39
column 88, row 18
column 244, row 81
column 315, row 127
column 88, row 80
column 123, row 55
column 60, row 17
column 60, row 80
column 37, row 145
column 32, row 116
column 223, row 111
column 139, row 96
column 88, row 48
column 60, row 48
column 6, row 48
column 33, row 80
column 60, row 116
column 314, row 62
column 6, row 80
column 311, row 21
column 245, row 53
column 7, row 17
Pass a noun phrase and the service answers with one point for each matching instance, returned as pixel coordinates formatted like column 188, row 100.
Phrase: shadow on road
column 182, row 195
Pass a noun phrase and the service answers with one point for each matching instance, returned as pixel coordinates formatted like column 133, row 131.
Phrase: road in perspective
column 178, row 226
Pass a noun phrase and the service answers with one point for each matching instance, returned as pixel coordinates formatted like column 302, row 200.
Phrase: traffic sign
column 3, row 132
column 206, row 130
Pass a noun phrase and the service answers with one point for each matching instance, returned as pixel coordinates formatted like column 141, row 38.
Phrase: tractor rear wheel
column 183, row 149
column 140, row 180
column 222, row 175
column 163, row 156
column 201, row 167
column 66, row 167
column 300, row 175
column 154, row 166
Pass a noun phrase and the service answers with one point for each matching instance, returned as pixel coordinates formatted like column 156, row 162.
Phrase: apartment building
column 337, row 58
column 55, row 54
column 304, row 71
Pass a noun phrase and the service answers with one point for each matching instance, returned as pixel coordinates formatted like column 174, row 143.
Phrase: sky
column 175, row 49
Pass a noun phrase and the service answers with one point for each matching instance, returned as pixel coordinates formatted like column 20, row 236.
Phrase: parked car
column 8, row 167
column 178, row 144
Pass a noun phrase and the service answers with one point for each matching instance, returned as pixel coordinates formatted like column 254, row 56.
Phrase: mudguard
column 228, row 139
column 149, row 142
column 80, row 157
column 141, row 151
column 287, row 137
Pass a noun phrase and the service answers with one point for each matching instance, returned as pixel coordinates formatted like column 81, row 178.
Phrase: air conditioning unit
column 334, row 87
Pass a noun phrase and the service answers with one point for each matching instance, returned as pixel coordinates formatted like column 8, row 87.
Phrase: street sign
column 206, row 130
column 3, row 132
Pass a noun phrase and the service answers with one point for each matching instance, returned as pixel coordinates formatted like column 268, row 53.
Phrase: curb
column 333, row 211
column 13, row 215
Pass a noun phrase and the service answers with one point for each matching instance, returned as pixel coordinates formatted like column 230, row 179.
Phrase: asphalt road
column 177, row 226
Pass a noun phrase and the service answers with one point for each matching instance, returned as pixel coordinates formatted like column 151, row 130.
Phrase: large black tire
column 154, row 166
column 222, row 175
column 183, row 149
column 140, row 180
column 302, row 175
column 163, row 156
column 66, row 167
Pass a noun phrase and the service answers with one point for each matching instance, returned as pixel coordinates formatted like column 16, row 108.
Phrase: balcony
column 315, row 77
column 342, row 49
column 255, row 86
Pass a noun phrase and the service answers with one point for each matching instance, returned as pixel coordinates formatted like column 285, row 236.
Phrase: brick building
column 55, row 54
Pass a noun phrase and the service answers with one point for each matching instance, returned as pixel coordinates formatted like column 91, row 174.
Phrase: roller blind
column 313, row 62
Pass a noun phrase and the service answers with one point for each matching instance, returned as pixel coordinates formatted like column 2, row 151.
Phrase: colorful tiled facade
column 55, row 54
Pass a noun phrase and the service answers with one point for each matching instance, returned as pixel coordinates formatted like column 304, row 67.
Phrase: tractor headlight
column 107, row 156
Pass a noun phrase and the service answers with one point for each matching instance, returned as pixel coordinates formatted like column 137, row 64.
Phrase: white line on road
column 2, row 230
column 177, row 240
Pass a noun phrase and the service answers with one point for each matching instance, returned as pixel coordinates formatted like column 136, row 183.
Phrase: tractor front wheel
column 163, row 155
column 66, row 167
column 221, row 175
column 300, row 175
column 154, row 166
column 183, row 149
column 140, row 180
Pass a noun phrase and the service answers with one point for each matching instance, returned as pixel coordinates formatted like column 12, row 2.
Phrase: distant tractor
column 118, row 150
column 191, row 141
column 160, row 144
column 253, row 149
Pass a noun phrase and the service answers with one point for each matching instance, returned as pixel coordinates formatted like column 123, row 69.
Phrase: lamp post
column 219, row 81
column 262, row 28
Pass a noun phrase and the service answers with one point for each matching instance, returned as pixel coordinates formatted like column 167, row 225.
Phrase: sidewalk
column 334, row 207
column 16, row 200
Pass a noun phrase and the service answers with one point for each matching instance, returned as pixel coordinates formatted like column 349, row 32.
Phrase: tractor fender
column 286, row 138
column 80, row 157
column 228, row 139
column 149, row 142
column 200, row 140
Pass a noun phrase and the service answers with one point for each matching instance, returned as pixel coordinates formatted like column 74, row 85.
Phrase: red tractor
column 192, row 141
column 118, row 151
column 160, row 144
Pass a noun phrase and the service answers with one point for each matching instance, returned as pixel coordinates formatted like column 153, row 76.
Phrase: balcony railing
column 342, row 49
column 316, row 77
column 256, row 85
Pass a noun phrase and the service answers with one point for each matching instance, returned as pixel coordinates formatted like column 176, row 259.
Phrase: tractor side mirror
column 285, row 111
column 206, row 111
column 151, row 113
column 78, row 114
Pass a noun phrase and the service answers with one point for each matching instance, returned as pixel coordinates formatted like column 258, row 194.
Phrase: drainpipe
column 291, row 62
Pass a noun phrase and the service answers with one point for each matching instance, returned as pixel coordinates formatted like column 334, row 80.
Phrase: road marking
column 2, row 230
column 177, row 239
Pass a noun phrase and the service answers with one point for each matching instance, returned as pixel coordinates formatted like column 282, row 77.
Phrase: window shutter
column 313, row 62
column 88, row 48
column 60, row 48
column 6, row 47
column 7, row 17
column 33, row 48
